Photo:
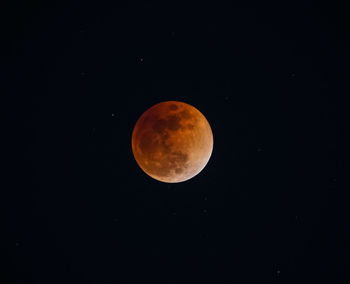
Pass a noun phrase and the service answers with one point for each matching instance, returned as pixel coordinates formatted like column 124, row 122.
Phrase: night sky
column 76, row 207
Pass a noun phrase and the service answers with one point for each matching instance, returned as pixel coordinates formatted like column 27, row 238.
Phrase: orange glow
column 172, row 141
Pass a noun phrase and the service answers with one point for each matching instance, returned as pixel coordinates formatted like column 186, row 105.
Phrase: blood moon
column 172, row 141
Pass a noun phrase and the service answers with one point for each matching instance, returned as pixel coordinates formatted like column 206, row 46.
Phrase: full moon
column 172, row 141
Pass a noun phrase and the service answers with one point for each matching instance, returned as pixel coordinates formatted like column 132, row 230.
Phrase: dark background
column 75, row 206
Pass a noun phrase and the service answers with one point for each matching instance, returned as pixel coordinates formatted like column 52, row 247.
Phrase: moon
column 172, row 141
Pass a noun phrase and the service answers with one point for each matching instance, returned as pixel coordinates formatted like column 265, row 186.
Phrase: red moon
column 172, row 141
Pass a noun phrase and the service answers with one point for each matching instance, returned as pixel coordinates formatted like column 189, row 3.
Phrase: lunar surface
column 172, row 141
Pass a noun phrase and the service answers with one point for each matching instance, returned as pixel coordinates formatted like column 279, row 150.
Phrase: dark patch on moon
column 166, row 144
column 190, row 126
column 185, row 114
column 174, row 122
column 179, row 157
column 173, row 107
column 149, row 143
column 159, row 125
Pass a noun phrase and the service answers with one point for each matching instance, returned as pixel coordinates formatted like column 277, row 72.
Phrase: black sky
column 75, row 206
